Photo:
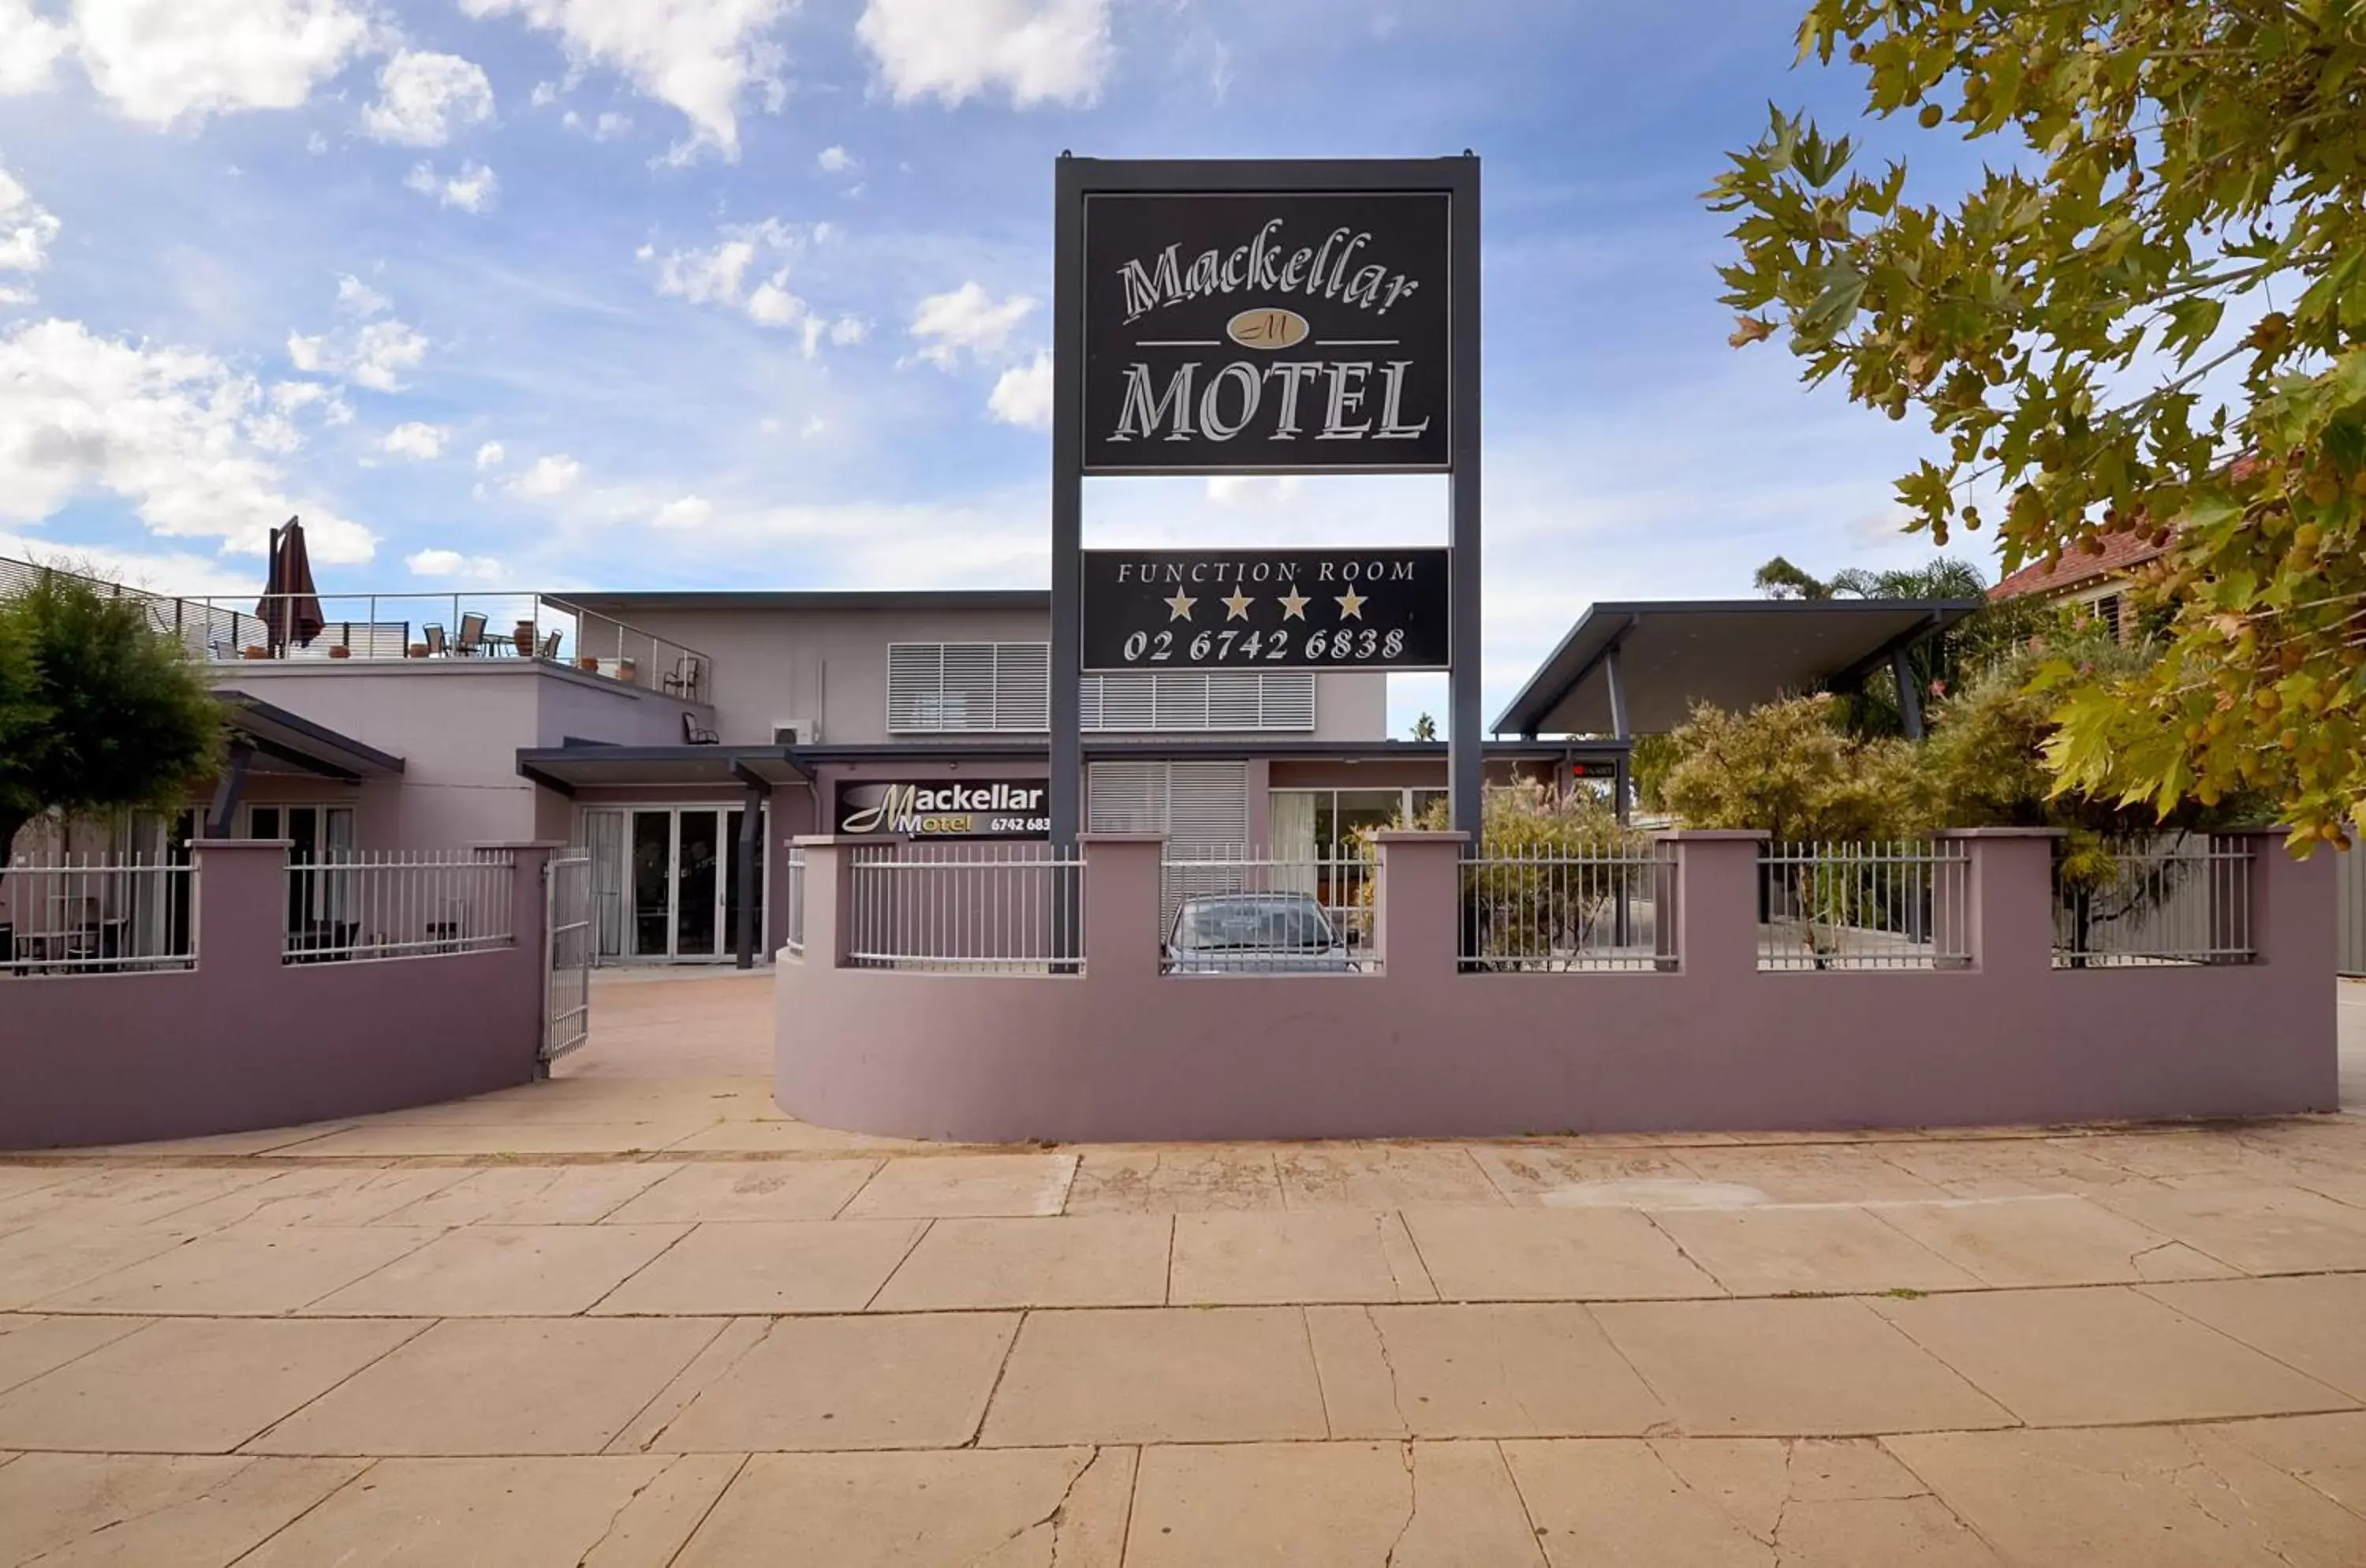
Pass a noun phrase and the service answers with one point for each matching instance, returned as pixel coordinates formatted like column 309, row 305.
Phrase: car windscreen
column 1238, row 923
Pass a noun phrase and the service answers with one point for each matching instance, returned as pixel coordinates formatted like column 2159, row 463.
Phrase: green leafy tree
column 2178, row 186
column 98, row 711
column 1524, row 899
column 1424, row 728
column 1788, row 768
column 1779, row 578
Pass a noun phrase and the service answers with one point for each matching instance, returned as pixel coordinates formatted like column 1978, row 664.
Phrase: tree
column 1789, row 769
column 1779, row 578
column 1424, row 728
column 97, row 710
column 2166, row 169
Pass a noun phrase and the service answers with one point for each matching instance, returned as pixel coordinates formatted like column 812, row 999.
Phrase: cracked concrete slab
column 1166, row 1374
column 1314, row 1254
column 1329, row 1506
column 1512, row 1369
column 1100, row 1260
column 2314, row 1323
column 1174, row 1180
column 974, row 1509
column 2133, row 1497
column 135, row 1510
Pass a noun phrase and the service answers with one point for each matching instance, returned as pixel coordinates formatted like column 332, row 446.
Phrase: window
column 1322, row 824
column 1169, row 702
column 936, row 688
column 2107, row 610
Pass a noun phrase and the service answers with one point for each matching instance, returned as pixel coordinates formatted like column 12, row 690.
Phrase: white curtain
column 1293, row 846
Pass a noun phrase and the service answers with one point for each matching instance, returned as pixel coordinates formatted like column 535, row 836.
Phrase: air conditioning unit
column 796, row 732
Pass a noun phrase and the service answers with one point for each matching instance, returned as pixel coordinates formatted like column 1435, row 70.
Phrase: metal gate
column 566, row 953
column 2349, row 920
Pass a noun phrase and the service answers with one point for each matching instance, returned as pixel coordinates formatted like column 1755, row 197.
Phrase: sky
column 568, row 294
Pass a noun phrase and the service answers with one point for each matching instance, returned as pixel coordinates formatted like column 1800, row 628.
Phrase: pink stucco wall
column 245, row 1041
column 1123, row 1051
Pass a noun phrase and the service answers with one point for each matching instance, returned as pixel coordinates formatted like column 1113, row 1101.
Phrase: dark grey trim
column 528, row 771
column 349, row 759
column 221, row 816
column 1560, row 692
column 668, row 599
column 1465, row 761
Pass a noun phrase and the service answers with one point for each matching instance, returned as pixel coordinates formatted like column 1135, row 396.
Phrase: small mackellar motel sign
column 1276, row 331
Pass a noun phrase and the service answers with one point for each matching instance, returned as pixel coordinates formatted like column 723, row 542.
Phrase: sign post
column 1274, row 317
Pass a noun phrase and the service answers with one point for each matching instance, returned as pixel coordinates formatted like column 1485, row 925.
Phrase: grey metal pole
column 751, row 873
column 1465, row 764
column 1067, row 778
column 1910, row 701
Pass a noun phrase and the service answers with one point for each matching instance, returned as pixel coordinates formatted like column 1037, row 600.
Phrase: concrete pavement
column 621, row 1319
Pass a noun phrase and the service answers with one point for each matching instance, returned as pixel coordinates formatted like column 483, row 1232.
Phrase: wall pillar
column 829, row 877
column 241, row 912
column 1717, row 899
column 1122, row 874
column 1417, row 904
column 2010, row 910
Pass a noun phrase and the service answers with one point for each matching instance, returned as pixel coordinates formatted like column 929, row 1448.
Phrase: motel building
column 685, row 740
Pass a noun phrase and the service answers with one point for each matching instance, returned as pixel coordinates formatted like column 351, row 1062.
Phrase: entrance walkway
column 672, row 1022
column 631, row 1321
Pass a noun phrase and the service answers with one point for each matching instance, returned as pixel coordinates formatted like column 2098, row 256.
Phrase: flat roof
column 1734, row 653
column 628, row 601
column 569, row 768
column 302, row 744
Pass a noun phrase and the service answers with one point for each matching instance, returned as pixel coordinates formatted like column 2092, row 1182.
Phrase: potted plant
column 588, row 662
column 255, row 652
column 627, row 669
column 339, row 650
column 418, row 650
column 523, row 635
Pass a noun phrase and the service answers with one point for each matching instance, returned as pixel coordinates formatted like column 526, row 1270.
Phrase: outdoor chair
column 693, row 734
column 471, row 640
column 550, row 647
column 435, row 649
column 683, row 680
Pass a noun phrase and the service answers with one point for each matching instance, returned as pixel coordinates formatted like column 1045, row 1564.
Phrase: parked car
column 1263, row 933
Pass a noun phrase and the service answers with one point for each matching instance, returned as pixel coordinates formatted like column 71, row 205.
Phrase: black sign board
column 1269, row 332
column 946, row 808
column 1352, row 609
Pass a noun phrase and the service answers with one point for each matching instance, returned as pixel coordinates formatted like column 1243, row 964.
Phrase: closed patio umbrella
column 290, row 607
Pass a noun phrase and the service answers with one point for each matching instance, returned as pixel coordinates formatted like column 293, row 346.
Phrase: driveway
column 639, row 1318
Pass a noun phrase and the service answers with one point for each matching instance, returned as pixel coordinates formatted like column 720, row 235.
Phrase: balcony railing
column 378, row 627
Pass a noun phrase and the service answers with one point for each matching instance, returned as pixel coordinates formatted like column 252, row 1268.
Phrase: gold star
column 1293, row 605
column 1179, row 607
column 1236, row 608
column 1351, row 604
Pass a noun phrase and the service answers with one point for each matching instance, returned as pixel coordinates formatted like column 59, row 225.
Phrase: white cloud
column 182, row 436
column 1253, row 493
column 773, row 305
column 608, row 127
column 1042, row 50
column 358, row 299
column 424, row 97
column 968, row 320
column 26, row 229
column 490, row 456
column 687, row 513
column 316, row 144
column 161, row 60
column 707, row 278
column 699, row 57
column 452, row 563
column 30, row 46
column 415, row 440
column 1022, row 396
column 374, row 354
column 547, row 477
column 544, row 94
column 472, row 189
column 848, row 329
column 834, row 160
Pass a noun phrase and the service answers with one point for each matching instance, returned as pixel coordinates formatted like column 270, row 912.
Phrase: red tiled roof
column 2120, row 553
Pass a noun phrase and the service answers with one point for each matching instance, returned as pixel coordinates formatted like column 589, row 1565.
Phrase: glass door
column 698, row 890
column 652, row 885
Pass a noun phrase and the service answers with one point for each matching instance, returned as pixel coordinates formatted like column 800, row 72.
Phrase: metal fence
column 366, row 626
column 2350, row 914
column 400, row 904
column 1903, row 905
column 97, row 914
column 1233, row 908
column 792, row 938
column 2178, row 899
column 971, row 907
column 1547, row 908
column 567, row 954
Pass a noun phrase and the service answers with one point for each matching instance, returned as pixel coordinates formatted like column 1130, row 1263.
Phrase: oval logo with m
column 1268, row 327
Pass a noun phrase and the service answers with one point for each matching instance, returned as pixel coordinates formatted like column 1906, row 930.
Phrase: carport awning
column 285, row 742
column 569, row 768
column 1734, row 653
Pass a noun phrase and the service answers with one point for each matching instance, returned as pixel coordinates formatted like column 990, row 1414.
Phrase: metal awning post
column 1910, row 701
column 1613, row 671
column 230, row 790
column 751, row 861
